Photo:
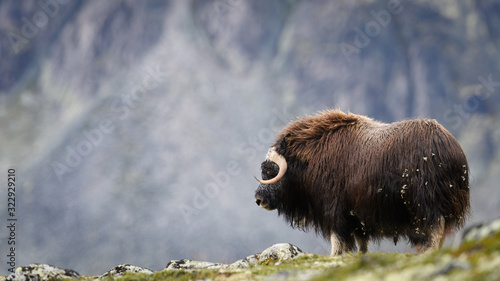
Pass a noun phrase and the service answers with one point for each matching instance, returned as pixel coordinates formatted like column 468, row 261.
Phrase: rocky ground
column 475, row 257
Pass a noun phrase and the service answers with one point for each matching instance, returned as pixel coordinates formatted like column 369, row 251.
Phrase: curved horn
column 273, row 156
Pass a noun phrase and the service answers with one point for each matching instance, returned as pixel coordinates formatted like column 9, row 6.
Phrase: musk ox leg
column 435, row 241
column 441, row 242
column 362, row 244
column 341, row 245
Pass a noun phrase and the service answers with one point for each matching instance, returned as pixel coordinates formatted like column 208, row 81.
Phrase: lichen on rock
column 275, row 253
column 473, row 260
column 190, row 264
column 280, row 252
column 37, row 271
column 477, row 232
column 121, row 269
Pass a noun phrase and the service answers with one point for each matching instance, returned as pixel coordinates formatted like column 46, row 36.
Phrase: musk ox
column 353, row 179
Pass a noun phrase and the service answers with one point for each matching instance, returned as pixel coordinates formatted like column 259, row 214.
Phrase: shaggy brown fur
column 354, row 179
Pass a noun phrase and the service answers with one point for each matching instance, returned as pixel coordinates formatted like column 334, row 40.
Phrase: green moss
column 359, row 263
column 472, row 261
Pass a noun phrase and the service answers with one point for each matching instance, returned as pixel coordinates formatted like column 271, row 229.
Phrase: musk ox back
column 353, row 179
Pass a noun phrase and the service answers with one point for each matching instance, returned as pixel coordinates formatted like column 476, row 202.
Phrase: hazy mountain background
column 136, row 127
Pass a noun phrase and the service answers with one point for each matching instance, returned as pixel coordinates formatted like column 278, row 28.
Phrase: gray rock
column 478, row 231
column 39, row 272
column 275, row 253
column 449, row 266
column 280, row 252
column 190, row 264
column 121, row 269
column 244, row 263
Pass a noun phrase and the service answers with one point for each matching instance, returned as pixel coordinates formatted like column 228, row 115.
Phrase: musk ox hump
column 299, row 135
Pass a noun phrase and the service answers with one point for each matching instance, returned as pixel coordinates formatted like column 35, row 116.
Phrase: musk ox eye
column 269, row 170
column 266, row 174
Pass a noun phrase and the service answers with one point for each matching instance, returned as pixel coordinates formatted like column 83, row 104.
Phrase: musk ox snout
column 258, row 200
column 264, row 200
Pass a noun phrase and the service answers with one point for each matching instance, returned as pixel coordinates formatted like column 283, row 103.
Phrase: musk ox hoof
column 37, row 271
column 121, row 269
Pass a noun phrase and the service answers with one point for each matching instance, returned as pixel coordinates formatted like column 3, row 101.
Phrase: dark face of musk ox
column 268, row 196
